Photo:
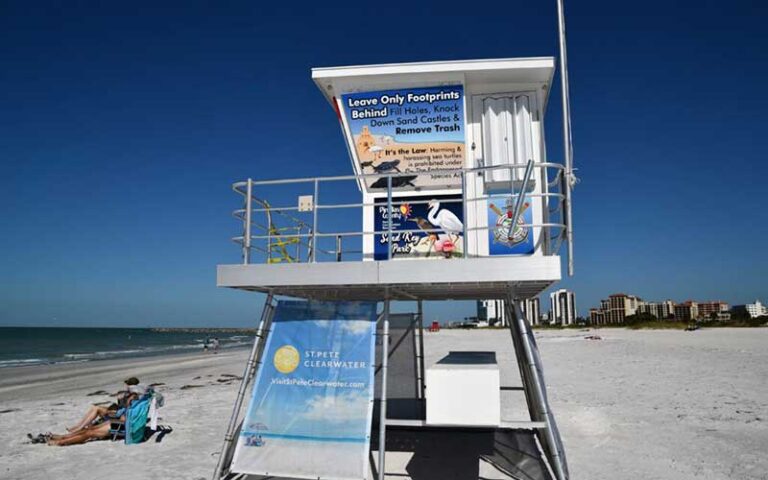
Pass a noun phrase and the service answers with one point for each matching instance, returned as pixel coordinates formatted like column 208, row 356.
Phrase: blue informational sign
column 437, row 221
column 410, row 130
column 312, row 402
column 503, row 238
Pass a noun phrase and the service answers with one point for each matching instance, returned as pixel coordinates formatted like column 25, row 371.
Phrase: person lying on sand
column 93, row 432
column 98, row 421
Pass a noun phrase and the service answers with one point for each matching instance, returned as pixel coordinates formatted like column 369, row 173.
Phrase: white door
column 506, row 138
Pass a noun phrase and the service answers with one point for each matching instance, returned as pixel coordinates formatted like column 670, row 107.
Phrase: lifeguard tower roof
column 452, row 194
column 529, row 70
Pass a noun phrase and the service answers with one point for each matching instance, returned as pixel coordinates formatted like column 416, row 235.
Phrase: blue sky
column 123, row 126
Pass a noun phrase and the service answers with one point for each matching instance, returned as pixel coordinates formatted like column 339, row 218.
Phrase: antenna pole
column 569, row 177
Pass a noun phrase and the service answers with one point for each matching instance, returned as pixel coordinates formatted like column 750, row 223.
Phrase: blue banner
column 311, row 407
column 503, row 237
column 437, row 223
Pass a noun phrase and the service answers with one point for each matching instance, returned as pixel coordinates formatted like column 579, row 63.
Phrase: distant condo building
column 493, row 311
column 660, row 310
column 686, row 311
column 756, row 309
column 615, row 309
column 619, row 306
column 532, row 310
column 717, row 307
column 562, row 305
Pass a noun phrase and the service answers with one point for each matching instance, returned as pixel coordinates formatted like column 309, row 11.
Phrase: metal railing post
column 314, row 220
column 520, row 197
column 464, row 213
column 299, row 229
column 389, row 217
column 310, row 245
column 422, row 374
column 247, row 232
column 338, row 248
column 567, row 134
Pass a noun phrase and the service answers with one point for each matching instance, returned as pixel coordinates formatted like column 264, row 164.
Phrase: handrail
column 299, row 232
column 335, row 178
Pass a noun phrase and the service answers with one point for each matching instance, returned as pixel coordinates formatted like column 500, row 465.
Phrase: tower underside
column 467, row 279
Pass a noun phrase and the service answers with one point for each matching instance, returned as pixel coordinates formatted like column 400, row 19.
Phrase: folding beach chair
column 136, row 416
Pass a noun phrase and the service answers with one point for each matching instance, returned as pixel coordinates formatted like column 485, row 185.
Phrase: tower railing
column 278, row 228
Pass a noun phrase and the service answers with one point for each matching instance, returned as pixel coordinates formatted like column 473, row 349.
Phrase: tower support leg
column 532, row 374
column 420, row 366
column 383, row 400
column 254, row 361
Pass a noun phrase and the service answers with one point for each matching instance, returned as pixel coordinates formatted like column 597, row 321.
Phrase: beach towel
column 136, row 420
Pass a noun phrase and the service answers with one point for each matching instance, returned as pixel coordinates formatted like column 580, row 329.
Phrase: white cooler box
column 463, row 389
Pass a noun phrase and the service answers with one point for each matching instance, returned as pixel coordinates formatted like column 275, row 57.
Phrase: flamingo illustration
column 445, row 219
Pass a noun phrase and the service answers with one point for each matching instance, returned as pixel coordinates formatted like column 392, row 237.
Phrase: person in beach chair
column 97, row 414
column 130, row 426
column 128, row 423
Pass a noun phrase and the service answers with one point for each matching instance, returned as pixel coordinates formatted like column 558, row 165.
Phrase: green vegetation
column 643, row 321
column 658, row 325
column 575, row 326
column 646, row 321
column 741, row 323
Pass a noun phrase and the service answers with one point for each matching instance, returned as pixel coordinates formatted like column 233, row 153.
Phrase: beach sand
column 667, row 405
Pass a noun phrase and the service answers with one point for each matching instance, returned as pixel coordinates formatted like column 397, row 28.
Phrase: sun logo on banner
column 406, row 210
column 286, row 359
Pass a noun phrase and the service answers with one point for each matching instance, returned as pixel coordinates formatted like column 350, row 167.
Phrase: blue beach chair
column 132, row 429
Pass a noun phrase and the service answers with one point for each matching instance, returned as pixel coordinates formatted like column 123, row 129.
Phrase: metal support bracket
column 532, row 375
column 251, row 368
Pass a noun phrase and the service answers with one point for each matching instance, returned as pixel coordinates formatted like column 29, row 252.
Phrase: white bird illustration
column 445, row 219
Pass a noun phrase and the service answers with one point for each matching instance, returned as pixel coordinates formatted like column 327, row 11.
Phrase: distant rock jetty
column 247, row 331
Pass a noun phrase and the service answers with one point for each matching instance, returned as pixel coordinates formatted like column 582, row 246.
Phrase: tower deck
column 470, row 278
column 324, row 249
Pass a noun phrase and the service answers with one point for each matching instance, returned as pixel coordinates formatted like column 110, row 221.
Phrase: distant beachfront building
column 718, row 307
column 562, row 305
column 660, row 310
column 686, row 311
column 615, row 309
column 619, row 306
column 493, row 311
column 756, row 309
column 532, row 310
column 596, row 316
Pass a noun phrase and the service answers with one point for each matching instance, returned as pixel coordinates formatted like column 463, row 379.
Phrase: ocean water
column 21, row 346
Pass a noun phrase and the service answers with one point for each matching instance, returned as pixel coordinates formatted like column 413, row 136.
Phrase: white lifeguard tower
column 452, row 197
